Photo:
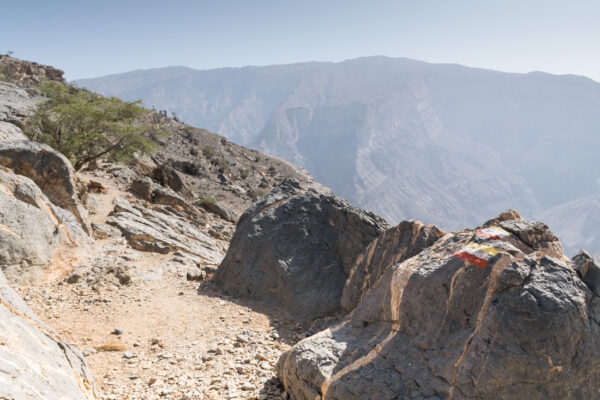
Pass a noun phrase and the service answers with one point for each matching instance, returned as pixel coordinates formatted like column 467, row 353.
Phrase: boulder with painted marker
column 522, row 322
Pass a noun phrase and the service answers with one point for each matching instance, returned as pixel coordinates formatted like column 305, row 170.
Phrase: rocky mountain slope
column 139, row 267
column 445, row 144
column 86, row 249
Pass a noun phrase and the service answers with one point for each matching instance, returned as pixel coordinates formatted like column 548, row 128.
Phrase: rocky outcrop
column 32, row 228
column 397, row 244
column 50, row 170
column 148, row 190
column 518, row 321
column 16, row 103
column 27, row 73
column 163, row 231
column 170, row 177
column 34, row 362
column 294, row 249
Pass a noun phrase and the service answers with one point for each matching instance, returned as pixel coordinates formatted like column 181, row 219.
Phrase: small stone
column 265, row 365
column 117, row 331
column 128, row 355
column 248, row 386
column 88, row 352
column 242, row 338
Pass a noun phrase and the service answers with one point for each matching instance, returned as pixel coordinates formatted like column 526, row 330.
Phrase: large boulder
column 396, row 244
column 32, row 229
column 27, row 73
column 294, row 249
column 481, row 314
column 34, row 362
column 50, row 170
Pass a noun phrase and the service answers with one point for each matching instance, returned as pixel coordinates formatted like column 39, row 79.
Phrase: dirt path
column 178, row 339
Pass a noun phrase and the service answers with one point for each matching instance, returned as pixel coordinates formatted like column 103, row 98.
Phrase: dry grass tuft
column 115, row 345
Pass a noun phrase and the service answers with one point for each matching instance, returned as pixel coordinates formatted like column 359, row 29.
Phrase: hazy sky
column 93, row 38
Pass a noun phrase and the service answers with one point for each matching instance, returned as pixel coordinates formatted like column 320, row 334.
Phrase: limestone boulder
column 493, row 313
column 32, row 229
column 50, row 171
column 163, row 231
column 35, row 363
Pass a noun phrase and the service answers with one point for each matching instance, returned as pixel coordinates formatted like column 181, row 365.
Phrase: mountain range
column 442, row 143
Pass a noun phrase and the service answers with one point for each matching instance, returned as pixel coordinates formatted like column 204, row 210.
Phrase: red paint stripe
column 463, row 255
column 487, row 235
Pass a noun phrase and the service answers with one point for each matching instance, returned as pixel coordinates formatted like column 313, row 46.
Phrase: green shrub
column 85, row 126
column 208, row 152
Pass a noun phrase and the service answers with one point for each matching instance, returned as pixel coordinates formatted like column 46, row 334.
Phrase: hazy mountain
column 442, row 143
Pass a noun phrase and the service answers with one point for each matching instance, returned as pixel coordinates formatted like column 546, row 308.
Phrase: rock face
column 32, row 229
column 397, row 244
column 294, row 249
column 35, row 362
column 27, row 73
column 50, row 170
column 525, row 325
column 163, row 231
column 16, row 103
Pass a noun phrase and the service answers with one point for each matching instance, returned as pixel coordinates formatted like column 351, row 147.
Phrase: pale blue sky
column 93, row 38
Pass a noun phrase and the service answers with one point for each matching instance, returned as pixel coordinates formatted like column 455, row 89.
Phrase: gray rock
column 149, row 230
column 35, row 362
column 50, row 170
column 32, row 229
column 16, row 103
column 588, row 269
column 294, row 249
column 195, row 274
column 436, row 327
column 536, row 235
column 170, row 177
column 105, row 268
column 150, row 191
column 219, row 210
column 396, row 244
column 103, row 231
column 10, row 131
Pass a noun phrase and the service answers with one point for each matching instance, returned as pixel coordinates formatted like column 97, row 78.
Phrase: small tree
column 85, row 126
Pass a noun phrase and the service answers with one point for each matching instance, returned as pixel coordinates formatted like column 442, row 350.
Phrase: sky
column 94, row 38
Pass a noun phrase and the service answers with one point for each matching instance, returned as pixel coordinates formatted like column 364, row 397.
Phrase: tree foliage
column 85, row 126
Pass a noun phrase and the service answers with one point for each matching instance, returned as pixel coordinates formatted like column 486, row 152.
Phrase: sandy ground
column 179, row 339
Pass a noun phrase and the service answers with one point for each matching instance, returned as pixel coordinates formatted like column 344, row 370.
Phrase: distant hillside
column 446, row 144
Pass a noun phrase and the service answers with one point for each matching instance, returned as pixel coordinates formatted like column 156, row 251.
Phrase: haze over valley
column 442, row 143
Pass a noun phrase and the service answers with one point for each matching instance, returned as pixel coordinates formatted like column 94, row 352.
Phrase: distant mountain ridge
column 442, row 143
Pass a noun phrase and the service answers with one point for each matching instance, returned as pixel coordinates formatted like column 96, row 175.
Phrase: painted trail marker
column 495, row 232
column 477, row 254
